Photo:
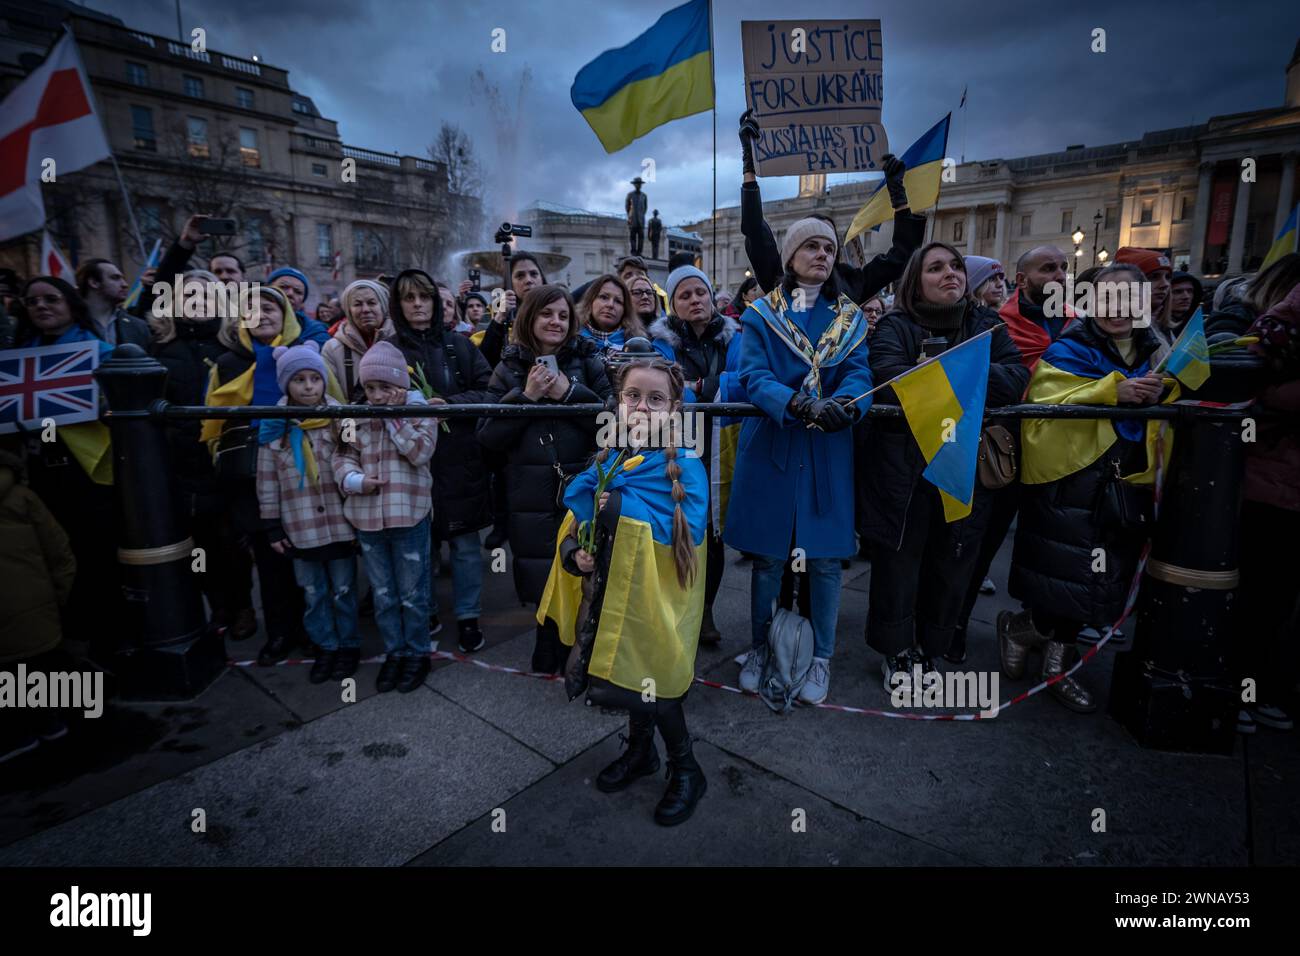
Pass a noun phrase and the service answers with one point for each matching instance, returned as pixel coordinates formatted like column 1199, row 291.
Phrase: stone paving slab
column 374, row 784
column 747, row 817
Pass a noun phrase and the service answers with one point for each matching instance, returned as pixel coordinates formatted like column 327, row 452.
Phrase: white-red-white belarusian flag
column 52, row 261
column 49, row 115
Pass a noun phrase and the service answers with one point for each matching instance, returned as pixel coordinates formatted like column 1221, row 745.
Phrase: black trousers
column 918, row 590
column 227, row 581
column 668, row 715
column 1054, row 627
column 715, row 563
column 1003, row 507
column 282, row 604
column 1264, row 646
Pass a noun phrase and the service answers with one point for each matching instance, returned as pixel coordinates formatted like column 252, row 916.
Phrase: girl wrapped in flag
column 627, row 583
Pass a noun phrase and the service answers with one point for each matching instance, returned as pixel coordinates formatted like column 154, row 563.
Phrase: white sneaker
column 818, row 684
column 1274, row 717
column 752, row 670
column 898, row 673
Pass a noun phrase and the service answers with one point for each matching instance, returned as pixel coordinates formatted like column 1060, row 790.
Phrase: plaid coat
column 397, row 450
column 311, row 516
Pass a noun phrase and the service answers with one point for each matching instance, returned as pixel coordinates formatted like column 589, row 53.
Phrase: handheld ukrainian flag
column 943, row 401
column 137, row 286
column 664, row 74
column 1288, row 240
column 1189, row 359
column 649, row 623
column 924, row 160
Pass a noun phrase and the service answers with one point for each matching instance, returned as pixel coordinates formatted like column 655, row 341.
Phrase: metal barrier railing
column 167, row 411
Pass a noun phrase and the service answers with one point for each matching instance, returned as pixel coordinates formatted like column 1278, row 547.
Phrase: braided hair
column 684, row 557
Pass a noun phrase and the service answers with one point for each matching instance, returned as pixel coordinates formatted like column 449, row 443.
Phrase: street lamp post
column 1077, row 238
column 1096, row 235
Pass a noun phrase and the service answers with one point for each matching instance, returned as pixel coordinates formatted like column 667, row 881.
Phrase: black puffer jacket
column 703, row 358
column 531, row 480
column 189, row 358
column 458, row 373
column 1060, row 527
column 894, row 461
column 1235, row 317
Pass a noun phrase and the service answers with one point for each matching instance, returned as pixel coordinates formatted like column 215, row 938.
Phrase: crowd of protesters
column 296, row 501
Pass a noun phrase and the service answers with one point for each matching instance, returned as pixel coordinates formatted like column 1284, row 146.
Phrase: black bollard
column 163, row 649
column 1174, row 690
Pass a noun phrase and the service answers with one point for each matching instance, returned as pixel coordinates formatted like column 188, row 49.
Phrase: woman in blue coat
column 803, row 357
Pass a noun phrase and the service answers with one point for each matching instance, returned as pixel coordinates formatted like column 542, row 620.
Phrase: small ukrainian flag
column 1286, row 240
column 924, row 160
column 943, row 401
column 664, row 74
column 1189, row 359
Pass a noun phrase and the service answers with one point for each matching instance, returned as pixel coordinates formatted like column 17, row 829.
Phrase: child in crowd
column 647, row 597
column 383, row 472
column 302, row 509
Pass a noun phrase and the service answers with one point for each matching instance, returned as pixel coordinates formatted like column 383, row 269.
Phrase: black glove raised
column 894, row 169
column 804, row 407
column 748, row 133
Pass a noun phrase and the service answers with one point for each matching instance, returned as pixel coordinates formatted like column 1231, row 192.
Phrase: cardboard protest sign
column 815, row 89
column 48, row 383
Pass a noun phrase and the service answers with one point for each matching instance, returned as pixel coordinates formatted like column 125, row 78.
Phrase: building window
column 958, row 227
column 301, row 107
column 194, row 86
column 324, row 244
column 990, row 228
column 1185, row 211
column 319, row 169
column 196, row 130
column 255, row 236
column 142, row 128
column 248, row 151
column 137, row 74
column 373, row 250
column 243, row 97
column 1067, row 221
column 1026, row 224
column 1147, row 212
column 1110, row 217
column 589, row 260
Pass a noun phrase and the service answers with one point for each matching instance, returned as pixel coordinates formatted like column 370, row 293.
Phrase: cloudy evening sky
column 390, row 71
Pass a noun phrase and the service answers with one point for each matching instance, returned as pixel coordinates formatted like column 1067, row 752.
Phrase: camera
column 512, row 229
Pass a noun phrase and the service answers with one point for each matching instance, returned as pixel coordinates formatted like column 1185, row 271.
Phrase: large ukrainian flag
column 924, row 160
column 649, row 624
column 943, row 401
column 664, row 74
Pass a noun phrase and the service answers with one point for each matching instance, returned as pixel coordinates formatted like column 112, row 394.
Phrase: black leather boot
column 544, row 656
column 639, row 760
column 709, row 633
column 686, row 784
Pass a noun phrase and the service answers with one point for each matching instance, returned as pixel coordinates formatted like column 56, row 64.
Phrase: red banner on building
column 1220, row 213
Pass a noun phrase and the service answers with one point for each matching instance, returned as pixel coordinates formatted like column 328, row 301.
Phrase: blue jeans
column 466, row 575
column 397, row 561
column 329, row 590
column 824, row 580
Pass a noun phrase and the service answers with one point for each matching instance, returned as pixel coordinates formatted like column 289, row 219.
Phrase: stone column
column 1126, row 219
column 970, row 231
column 1237, row 241
column 1000, row 236
column 1201, row 219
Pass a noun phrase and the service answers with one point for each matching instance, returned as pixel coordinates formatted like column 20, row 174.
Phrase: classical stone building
column 205, row 131
column 594, row 240
column 1187, row 191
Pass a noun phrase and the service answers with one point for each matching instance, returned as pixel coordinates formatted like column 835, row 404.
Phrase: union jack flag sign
column 51, row 382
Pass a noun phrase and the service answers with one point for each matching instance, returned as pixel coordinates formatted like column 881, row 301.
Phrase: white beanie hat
column 681, row 273
column 352, row 288
column 801, row 232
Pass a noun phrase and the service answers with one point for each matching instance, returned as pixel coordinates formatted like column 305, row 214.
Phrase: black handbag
column 1123, row 506
column 236, row 455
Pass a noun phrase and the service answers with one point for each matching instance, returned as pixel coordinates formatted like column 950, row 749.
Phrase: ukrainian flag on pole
column 924, row 160
column 1286, row 240
column 943, row 401
column 1189, row 359
column 664, row 74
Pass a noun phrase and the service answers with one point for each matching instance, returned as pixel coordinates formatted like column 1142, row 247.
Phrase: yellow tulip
column 633, row 462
